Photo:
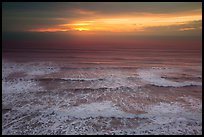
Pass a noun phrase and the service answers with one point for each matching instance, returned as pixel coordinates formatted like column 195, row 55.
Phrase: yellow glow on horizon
column 81, row 29
column 123, row 24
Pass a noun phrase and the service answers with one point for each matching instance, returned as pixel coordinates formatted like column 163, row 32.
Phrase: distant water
column 109, row 57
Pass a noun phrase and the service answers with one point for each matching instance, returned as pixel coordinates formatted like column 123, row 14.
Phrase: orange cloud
column 186, row 29
column 48, row 30
column 123, row 23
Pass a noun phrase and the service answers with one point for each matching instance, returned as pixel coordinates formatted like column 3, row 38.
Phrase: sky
column 151, row 25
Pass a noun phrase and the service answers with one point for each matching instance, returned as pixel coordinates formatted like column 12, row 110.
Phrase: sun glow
column 81, row 29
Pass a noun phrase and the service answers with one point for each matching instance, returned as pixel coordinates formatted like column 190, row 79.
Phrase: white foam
column 114, row 81
column 19, row 86
column 164, row 108
column 193, row 102
column 153, row 76
column 164, row 113
column 31, row 69
column 96, row 109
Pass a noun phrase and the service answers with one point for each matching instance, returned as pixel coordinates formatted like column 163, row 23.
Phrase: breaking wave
column 153, row 76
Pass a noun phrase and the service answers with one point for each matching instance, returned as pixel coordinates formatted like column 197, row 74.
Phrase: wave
column 82, row 79
column 99, row 68
column 107, row 88
column 53, row 79
column 153, row 77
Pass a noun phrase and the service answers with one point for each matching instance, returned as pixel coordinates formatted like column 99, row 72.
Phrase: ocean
column 101, row 91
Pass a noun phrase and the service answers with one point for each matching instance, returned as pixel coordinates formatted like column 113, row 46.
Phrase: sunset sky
column 163, row 25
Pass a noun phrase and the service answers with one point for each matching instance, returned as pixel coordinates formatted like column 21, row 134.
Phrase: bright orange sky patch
column 123, row 24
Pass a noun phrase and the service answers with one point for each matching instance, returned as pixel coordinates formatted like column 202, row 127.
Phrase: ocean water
column 109, row 91
column 106, row 66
